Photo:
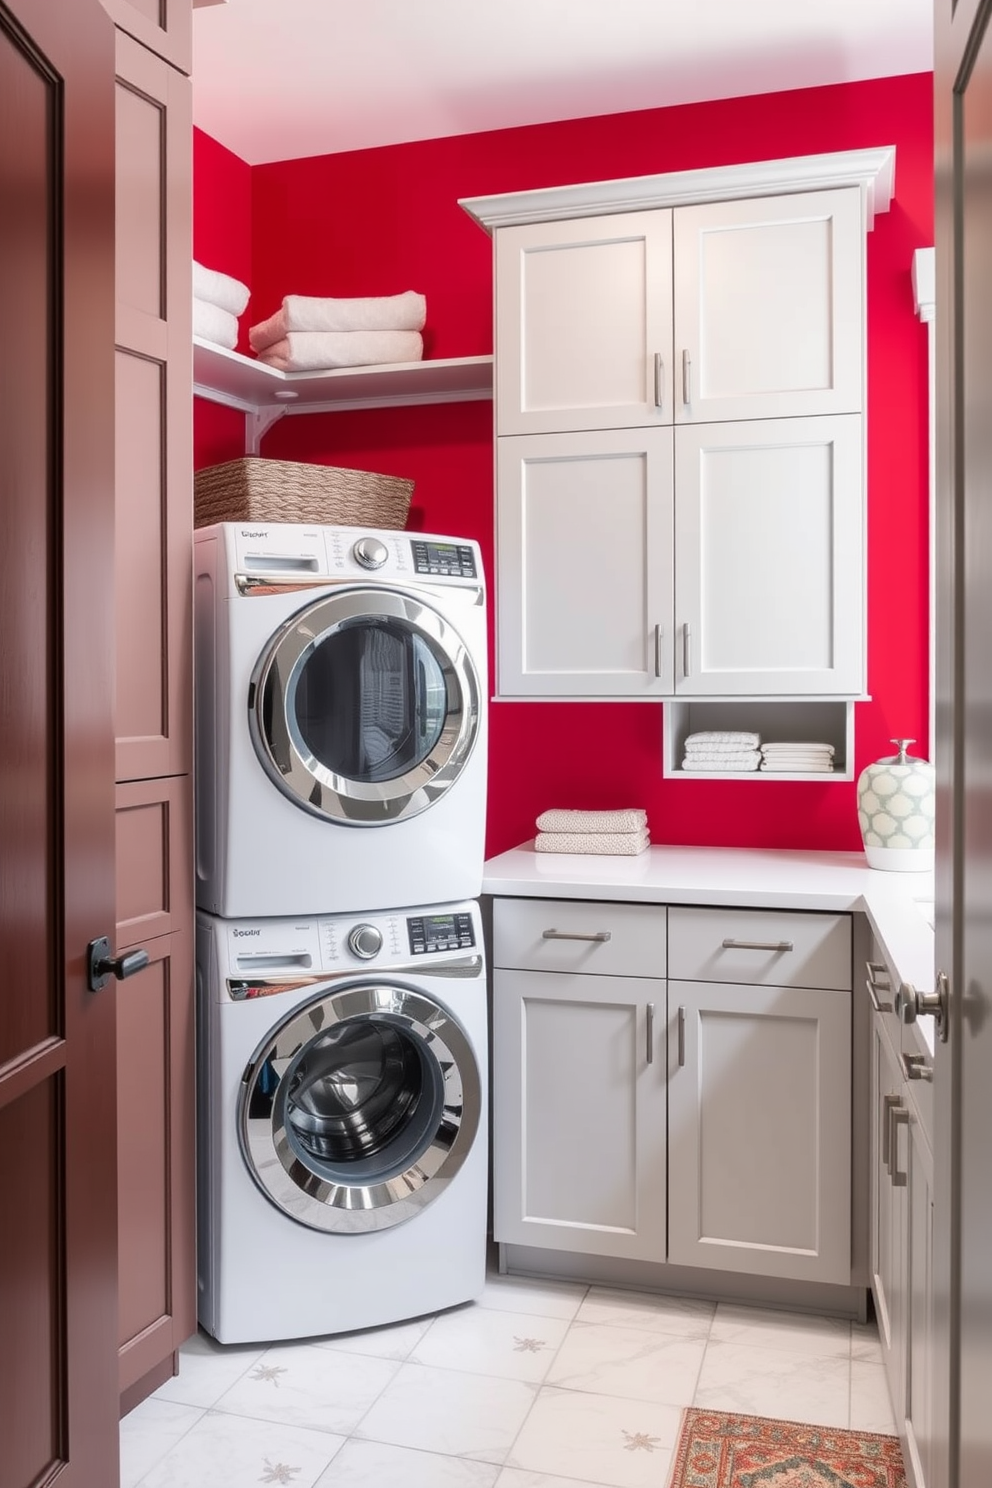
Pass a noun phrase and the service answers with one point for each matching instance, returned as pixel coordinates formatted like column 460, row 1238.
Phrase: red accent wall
column 381, row 221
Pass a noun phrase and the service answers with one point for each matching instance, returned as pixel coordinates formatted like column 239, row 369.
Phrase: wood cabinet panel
column 156, row 1157
column 154, row 858
column 163, row 26
column 154, row 417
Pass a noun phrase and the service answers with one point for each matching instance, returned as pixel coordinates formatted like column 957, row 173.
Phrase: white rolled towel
column 618, row 844
column 402, row 312
column 721, row 739
column 211, row 323
column 627, row 820
column 723, row 759
column 219, row 289
column 317, row 351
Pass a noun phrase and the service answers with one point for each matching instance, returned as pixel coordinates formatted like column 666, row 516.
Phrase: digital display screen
column 432, row 933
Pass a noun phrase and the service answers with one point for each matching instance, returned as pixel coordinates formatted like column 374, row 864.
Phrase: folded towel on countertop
column 743, row 760
column 620, row 844
column 721, row 739
column 318, row 351
column 211, row 323
column 630, row 820
column 402, row 312
column 219, row 289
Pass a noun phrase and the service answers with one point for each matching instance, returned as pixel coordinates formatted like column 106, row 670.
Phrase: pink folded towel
column 402, row 312
column 318, row 351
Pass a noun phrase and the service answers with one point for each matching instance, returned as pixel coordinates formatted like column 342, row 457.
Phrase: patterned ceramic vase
column 896, row 811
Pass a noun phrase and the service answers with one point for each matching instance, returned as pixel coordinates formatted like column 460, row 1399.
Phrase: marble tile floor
column 536, row 1385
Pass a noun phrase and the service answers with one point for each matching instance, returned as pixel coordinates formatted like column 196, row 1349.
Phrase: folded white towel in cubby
column 219, row 289
column 318, row 351
column 721, row 739
column 799, row 764
column 797, row 747
column 740, row 761
column 619, row 844
column 560, row 820
column 401, row 312
column 211, row 323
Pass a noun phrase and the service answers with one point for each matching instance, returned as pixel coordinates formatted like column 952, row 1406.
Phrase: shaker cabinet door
column 579, row 1113
column 759, row 1112
column 584, row 538
column 769, row 565
column 769, row 307
column 584, row 323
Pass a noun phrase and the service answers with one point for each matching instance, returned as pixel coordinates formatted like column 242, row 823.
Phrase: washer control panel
column 440, row 932
column 453, row 560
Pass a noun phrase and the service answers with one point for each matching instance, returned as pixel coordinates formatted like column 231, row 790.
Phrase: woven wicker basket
column 256, row 490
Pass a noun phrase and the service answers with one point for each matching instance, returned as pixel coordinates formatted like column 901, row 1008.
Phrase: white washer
column 340, row 719
column 342, row 1113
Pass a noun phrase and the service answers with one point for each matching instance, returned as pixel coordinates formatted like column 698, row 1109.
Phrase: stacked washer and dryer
column 341, row 786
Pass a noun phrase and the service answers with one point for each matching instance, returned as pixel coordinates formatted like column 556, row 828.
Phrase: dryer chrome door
column 360, row 1107
column 365, row 706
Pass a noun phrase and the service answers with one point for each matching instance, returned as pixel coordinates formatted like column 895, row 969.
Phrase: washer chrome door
column 360, row 1108
column 364, row 707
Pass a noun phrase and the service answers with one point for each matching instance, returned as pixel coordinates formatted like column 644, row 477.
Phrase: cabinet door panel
column 154, row 831
column 919, row 1422
column 592, row 938
column 584, row 309
column 584, row 533
column 579, row 1113
column 153, row 536
column 769, row 569
column 155, row 1158
column 889, row 1216
column 759, row 1131
column 165, row 27
column 769, row 306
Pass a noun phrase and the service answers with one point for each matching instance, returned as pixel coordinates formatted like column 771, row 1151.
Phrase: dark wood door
column 962, row 1084
column 58, row 1231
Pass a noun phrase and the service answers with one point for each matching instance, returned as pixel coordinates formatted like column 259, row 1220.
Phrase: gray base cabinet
column 674, row 1085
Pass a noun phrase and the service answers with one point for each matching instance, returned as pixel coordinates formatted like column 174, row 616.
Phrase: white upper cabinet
column 769, row 307
column 584, row 567
column 769, row 558
column 584, row 323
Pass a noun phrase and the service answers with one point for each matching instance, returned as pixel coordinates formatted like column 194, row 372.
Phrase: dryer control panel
column 440, row 932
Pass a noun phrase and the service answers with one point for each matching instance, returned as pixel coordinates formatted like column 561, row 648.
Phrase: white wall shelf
column 826, row 722
column 264, row 393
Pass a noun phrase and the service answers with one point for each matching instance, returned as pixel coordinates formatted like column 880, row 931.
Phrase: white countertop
column 898, row 905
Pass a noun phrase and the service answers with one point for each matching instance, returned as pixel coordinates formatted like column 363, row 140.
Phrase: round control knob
column 365, row 941
column 370, row 552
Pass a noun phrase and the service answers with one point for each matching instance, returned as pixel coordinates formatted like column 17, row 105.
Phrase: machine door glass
column 365, row 707
column 360, row 1107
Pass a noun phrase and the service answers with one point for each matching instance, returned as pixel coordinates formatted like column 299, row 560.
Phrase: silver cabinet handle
column 649, row 1034
column 888, row 1103
column 681, row 1036
column 898, row 1116
column 758, row 945
column 574, row 935
column 915, row 1067
column 686, row 378
column 876, row 971
column 658, row 633
column 685, row 649
column 659, row 380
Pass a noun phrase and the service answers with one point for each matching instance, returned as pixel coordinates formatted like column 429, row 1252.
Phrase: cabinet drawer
column 579, row 935
column 772, row 948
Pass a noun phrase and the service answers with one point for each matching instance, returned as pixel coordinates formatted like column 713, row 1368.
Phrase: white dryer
column 341, row 714
column 342, row 1120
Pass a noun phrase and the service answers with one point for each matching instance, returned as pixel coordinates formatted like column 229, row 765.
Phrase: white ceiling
column 279, row 79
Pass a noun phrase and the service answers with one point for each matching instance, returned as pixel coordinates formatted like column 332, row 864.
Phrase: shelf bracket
column 257, row 422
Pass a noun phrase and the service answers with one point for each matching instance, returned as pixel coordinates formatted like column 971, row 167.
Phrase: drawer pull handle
column 758, row 945
column 686, row 378
column 649, row 1034
column 879, row 1007
column 898, row 1116
column 658, row 634
column 888, row 1102
column 681, row 1037
column 574, row 935
column 878, row 981
column 686, row 655
column 915, row 1067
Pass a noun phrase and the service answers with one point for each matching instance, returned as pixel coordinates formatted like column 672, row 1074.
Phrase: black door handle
column 102, row 965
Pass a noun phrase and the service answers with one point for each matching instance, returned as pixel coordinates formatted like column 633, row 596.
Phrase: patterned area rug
column 719, row 1450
